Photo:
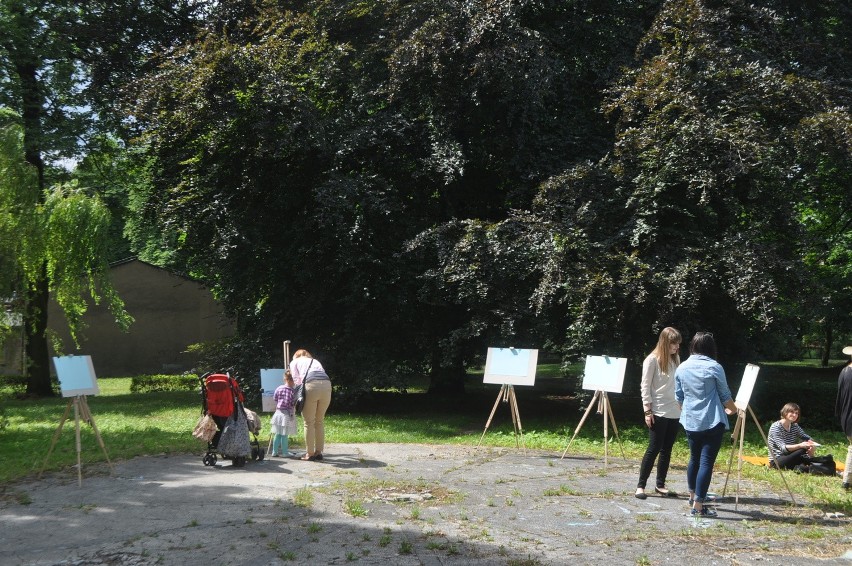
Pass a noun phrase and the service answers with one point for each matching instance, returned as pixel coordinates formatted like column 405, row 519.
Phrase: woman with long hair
column 661, row 410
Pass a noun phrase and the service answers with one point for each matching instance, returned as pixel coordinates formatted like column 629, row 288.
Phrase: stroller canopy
column 221, row 392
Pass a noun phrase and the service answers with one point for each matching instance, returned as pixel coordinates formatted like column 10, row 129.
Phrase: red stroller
column 223, row 399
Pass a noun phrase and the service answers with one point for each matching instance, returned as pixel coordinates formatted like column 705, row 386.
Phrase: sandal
column 306, row 457
column 665, row 492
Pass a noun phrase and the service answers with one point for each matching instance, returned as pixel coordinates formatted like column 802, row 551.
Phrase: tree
column 699, row 217
column 44, row 52
column 294, row 154
column 60, row 237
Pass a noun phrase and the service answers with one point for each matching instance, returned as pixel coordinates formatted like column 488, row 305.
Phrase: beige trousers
column 317, row 400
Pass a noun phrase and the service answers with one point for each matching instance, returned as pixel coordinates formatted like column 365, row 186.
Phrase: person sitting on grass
column 789, row 447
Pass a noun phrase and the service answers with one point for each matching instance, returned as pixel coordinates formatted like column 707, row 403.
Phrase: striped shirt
column 779, row 438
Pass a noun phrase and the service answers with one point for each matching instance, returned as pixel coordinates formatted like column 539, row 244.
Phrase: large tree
column 295, row 153
column 57, row 235
column 423, row 178
column 729, row 170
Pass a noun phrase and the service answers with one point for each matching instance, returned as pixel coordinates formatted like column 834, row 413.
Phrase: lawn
column 134, row 424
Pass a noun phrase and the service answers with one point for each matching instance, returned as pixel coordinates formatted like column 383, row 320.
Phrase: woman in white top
column 661, row 410
column 305, row 369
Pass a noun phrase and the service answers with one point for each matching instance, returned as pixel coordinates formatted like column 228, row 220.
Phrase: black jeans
column 791, row 460
column 661, row 435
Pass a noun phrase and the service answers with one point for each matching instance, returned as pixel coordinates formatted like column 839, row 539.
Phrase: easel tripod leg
column 516, row 418
column 615, row 429
column 605, row 410
column 734, row 436
column 100, row 440
column 491, row 416
column 766, row 441
column 580, row 425
column 56, row 436
column 77, row 437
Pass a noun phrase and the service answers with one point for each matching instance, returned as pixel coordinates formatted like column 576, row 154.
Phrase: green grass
column 161, row 423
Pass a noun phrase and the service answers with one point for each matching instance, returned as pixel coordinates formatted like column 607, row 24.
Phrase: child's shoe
column 705, row 512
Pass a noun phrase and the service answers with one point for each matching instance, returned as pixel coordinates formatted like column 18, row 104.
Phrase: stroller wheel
column 261, row 453
column 209, row 459
column 254, row 453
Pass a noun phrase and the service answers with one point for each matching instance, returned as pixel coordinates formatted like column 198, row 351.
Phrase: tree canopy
column 61, row 62
column 425, row 179
column 398, row 184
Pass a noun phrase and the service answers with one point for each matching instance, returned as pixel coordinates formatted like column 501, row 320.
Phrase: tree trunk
column 829, row 342
column 35, row 315
column 446, row 378
column 37, row 362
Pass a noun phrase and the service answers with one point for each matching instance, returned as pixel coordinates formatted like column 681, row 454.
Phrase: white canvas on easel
column 603, row 374
column 509, row 367
column 77, row 379
column 270, row 379
column 746, row 386
column 76, row 375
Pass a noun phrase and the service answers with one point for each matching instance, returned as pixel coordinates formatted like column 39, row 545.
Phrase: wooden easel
column 81, row 411
column 507, row 394
column 606, row 409
column 739, row 434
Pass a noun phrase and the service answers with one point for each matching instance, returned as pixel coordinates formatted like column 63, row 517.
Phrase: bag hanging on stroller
column 234, row 442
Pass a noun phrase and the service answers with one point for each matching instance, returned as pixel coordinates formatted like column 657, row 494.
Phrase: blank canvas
column 746, row 386
column 604, row 373
column 76, row 375
column 510, row 366
column 270, row 379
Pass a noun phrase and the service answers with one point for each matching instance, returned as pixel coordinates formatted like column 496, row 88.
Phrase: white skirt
column 284, row 423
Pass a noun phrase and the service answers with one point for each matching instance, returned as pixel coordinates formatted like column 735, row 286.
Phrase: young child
column 284, row 419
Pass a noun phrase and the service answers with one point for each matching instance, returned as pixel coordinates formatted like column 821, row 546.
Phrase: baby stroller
column 223, row 400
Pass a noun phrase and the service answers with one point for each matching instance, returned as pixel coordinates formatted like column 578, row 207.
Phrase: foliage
column 695, row 217
column 396, row 185
column 62, row 232
column 56, row 61
column 295, row 153
column 152, row 383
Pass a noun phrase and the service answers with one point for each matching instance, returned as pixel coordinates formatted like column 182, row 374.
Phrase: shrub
column 151, row 383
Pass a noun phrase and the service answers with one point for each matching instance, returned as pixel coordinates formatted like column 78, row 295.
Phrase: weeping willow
column 66, row 231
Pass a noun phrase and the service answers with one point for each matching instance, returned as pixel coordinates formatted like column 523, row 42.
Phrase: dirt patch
column 400, row 504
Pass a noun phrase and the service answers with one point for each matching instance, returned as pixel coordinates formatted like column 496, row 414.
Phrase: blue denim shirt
column 701, row 389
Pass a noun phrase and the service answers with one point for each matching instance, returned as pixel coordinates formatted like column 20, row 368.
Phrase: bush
column 151, row 383
column 15, row 382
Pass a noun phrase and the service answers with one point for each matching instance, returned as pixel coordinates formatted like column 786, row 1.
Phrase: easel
column 739, row 433
column 81, row 410
column 606, row 409
column 507, row 394
column 286, row 365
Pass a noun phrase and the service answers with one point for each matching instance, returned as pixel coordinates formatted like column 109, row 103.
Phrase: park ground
column 403, row 504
